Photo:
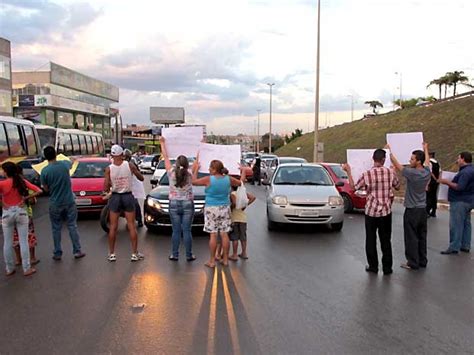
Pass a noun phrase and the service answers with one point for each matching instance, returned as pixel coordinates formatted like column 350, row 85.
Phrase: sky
column 215, row 57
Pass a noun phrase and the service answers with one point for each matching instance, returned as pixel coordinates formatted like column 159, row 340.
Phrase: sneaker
column 191, row 258
column 140, row 224
column 79, row 255
column 136, row 257
column 57, row 257
column 112, row 257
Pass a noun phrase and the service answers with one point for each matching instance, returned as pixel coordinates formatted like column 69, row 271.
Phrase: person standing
column 181, row 199
column 415, row 217
column 118, row 178
column 55, row 179
column 256, row 168
column 239, row 226
column 14, row 192
column 432, row 191
column 379, row 183
column 217, row 219
column 461, row 203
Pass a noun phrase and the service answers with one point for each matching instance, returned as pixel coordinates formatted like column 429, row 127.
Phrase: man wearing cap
column 118, row 179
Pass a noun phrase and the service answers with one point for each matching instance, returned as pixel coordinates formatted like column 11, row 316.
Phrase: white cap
column 116, row 150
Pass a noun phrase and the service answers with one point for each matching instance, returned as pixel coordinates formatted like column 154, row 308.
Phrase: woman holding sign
column 217, row 217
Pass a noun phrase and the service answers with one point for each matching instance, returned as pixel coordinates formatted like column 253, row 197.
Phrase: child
column 239, row 227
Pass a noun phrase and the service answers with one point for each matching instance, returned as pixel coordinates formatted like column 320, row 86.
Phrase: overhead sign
column 26, row 100
column 167, row 115
column 229, row 155
column 361, row 160
column 182, row 141
column 403, row 144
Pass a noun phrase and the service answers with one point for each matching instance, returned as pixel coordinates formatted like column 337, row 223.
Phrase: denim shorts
column 122, row 202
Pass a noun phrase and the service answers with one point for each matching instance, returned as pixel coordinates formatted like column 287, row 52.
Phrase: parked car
column 303, row 194
column 248, row 171
column 160, row 170
column 156, row 205
column 248, row 157
column 146, row 166
column 275, row 162
column 88, row 184
column 352, row 199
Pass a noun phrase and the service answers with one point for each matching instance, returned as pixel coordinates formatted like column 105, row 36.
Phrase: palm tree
column 455, row 78
column 439, row 82
column 374, row 104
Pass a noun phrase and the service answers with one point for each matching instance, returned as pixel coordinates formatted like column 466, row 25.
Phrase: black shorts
column 122, row 202
column 239, row 232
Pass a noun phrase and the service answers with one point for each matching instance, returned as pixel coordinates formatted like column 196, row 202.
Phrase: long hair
column 218, row 167
column 13, row 171
column 182, row 171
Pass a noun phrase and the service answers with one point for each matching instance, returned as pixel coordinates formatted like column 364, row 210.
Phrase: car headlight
column 336, row 201
column 153, row 203
column 280, row 200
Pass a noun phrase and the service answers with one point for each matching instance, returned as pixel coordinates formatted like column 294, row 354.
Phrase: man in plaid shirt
column 379, row 183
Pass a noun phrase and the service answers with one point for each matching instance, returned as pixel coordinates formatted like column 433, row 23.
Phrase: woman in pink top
column 14, row 191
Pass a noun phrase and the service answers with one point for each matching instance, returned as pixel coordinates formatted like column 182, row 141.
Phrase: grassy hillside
column 447, row 127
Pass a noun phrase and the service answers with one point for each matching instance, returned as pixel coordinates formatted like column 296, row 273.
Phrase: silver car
column 303, row 194
column 271, row 166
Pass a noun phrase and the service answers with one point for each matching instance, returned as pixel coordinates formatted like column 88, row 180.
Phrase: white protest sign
column 229, row 155
column 403, row 144
column 182, row 141
column 443, row 189
column 360, row 160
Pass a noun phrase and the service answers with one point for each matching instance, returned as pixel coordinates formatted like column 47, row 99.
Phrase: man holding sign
column 415, row 217
column 461, row 202
column 379, row 182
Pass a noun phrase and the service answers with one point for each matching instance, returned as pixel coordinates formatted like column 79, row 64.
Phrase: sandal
column 29, row 272
column 10, row 273
column 245, row 257
column 34, row 262
column 209, row 265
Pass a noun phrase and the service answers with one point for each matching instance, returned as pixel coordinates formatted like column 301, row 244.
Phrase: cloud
column 43, row 21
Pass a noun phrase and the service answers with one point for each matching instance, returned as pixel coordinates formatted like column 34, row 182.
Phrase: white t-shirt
column 121, row 177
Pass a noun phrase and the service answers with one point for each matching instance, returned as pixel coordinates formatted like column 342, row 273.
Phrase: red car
column 352, row 199
column 88, row 184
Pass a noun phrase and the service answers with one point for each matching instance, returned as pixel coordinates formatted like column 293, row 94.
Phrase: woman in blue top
column 217, row 210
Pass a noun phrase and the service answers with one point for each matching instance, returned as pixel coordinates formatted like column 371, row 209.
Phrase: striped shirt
column 378, row 182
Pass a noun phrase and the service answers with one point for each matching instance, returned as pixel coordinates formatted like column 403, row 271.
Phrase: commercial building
column 61, row 97
column 5, row 78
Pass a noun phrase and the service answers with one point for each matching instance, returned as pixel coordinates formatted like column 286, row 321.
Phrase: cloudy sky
column 214, row 57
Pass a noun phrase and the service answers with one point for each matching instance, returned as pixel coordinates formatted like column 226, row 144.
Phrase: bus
column 71, row 142
column 19, row 143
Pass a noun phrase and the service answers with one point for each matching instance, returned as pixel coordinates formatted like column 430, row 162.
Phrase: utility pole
column 316, row 105
column 258, row 130
column 270, row 135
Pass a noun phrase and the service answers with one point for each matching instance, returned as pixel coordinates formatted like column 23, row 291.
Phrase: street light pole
column 258, row 131
column 400, row 74
column 316, row 105
column 270, row 135
column 352, row 107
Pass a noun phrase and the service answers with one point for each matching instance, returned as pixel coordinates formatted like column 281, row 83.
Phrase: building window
column 5, row 71
column 65, row 119
column 49, row 118
column 98, row 124
column 80, row 121
column 5, row 101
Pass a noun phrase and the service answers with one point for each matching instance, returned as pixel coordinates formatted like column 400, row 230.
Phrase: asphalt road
column 302, row 291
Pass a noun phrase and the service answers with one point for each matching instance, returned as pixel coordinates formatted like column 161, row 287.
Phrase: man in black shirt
column 432, row 191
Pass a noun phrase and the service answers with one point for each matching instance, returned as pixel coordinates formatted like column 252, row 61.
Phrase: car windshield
column 91, row 169
column 292, row 160
column 165, row 181
column 148, row 158
column 302, row 175
column 341, row 174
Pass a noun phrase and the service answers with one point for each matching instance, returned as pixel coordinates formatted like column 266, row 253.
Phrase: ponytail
column 181, row 171
column 13, row 171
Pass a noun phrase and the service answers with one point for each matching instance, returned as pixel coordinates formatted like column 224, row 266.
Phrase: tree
column 277, row 142
column 374, row 104
column 296, row 134
column 455, row 78
column 440, row 82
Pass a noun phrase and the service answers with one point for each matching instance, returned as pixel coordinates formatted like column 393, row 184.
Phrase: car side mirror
column 339, row 184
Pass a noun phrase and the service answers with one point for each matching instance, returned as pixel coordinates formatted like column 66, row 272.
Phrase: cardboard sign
column 360, row 160
column 182, row 141
column 443, row 189
column 403, row 144
column 229, row 155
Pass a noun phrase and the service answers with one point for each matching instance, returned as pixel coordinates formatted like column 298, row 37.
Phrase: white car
column 304, row 194
column 160, row 170
column 146, row 165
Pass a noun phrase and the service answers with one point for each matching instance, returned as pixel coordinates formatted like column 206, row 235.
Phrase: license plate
column 309, row 213
column 83, row 201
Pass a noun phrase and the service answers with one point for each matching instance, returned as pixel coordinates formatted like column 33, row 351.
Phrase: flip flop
column 243, row 257
column 10, row 273
column 35, row 262
column 233, row 259
column 210, row 266
column 224, row 264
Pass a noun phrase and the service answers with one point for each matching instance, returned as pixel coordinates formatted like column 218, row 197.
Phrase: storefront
column 63, row 98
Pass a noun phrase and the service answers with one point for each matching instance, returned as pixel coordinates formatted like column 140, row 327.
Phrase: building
column 61, row 97
column 5, row 78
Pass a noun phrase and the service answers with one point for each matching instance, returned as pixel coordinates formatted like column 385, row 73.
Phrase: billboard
column 167, row 115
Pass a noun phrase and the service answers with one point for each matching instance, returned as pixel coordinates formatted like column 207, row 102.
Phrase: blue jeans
column 181, row 215
column 460, row 225
column 59, row 214
column 11, row 217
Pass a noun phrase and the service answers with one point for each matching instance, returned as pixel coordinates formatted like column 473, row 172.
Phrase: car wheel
column 348, row 206
column 104, row 219
column 336, row 227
